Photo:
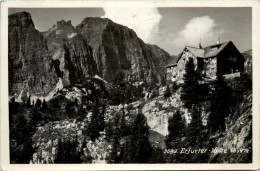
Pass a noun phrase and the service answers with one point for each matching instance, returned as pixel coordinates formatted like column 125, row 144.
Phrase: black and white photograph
column 130, row 85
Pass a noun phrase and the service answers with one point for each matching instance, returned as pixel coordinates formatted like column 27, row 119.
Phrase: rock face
column 30, row 66
column 71, row 54
column 117, row 48
column 238, row 135
column 47, row 146
column 248, row 61
column 95, row 47
column 100, row 47
column 158, row 110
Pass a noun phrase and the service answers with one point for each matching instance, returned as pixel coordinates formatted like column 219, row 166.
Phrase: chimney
column 200, row 47
column 218, row 42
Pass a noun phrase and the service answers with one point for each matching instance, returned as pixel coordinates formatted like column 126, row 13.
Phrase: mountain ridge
column 122, row 38
column 96, row 46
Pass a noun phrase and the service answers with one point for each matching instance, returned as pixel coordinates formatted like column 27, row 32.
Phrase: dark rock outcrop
column 30, row 66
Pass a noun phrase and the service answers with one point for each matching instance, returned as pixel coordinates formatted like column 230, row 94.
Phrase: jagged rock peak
column 62, row 29
column 20, row 19
column 63, row 23
column 101, row 24
column 93, row 20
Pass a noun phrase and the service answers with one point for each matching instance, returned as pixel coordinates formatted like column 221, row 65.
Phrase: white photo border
column 5, row 155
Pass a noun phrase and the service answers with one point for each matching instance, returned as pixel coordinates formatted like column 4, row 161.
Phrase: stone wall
column 180, row 68
column 171, row 73
column 176, row 73
column 210, row 67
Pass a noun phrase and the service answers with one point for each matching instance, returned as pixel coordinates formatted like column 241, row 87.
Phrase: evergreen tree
column 167, row 92
column 38, row 103
column 59, row 155
column 189, row 93
column 119, row 89
column 44, row 104
column 193, row 94
column 21, row 128
column 88, row 159
column 125, row 130
column 82, row 113
column 221, row 101
column 74, row 153
column 26, row 151
column 67, row 152
column 138, row 148
column 28, row 103
column 115, row 147
column 70, row 110
column 55, row 103
column 97, row 123
column 24, row 133
column 114, row 158
column 157, row 156
column 194, row 127
column 76, row 102
column 13, row 109
column 109, row 131
column 176, row 127
column 122, row 91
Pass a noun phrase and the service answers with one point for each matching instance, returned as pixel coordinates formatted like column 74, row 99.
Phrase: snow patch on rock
column 58, row 31
column 98, row 77
column 58, row 87
column 19, row 98
column 72, row 35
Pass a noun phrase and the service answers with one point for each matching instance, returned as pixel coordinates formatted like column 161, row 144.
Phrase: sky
column 170, row 28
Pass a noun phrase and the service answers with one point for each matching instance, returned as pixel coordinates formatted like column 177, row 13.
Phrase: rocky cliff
column 117, row 48
column 96, row 46
column 237, row 138
column 30, row 66
column 71, row 54
column 101, row 47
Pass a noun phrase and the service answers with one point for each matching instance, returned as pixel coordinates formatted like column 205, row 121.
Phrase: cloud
column 144, row 21
column 198, row 28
